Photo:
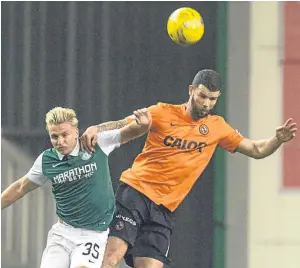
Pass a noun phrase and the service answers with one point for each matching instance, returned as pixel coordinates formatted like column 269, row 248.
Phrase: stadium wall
column 238, row 106
column 274, row 237
column 262, row 208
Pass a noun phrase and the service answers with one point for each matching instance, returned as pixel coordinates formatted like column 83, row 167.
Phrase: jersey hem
column 102, row 228
column 127, row 181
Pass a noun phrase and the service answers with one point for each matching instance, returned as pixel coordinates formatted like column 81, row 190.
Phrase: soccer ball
column 185, row 26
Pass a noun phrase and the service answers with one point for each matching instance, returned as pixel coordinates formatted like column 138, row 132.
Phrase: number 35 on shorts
column 91, row 249
column 89, row 254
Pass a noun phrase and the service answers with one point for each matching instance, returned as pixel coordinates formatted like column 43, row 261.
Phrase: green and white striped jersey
column 81, row 185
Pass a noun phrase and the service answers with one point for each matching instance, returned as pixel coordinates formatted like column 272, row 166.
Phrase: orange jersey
column 176, row 152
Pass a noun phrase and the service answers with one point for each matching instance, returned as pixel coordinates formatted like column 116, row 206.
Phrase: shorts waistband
column 77, row 228
column 64, row 223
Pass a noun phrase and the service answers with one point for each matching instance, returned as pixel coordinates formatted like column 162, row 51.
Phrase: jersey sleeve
column 35, row 174
column 231, row 138
column 109, row 140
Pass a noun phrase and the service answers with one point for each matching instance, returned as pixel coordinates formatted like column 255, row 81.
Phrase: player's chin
column 62, row 150
column 202, row 113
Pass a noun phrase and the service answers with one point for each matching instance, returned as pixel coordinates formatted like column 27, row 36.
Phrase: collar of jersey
column 75, row 152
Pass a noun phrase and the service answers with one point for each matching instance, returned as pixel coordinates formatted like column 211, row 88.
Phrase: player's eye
column 54, row 137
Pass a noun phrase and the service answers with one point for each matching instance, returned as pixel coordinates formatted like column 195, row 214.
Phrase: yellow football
column 185, row 26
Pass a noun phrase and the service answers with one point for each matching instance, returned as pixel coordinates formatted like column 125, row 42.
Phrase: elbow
column 23, row 188
column 21, row 192
column 258, row 156
column 256, row 153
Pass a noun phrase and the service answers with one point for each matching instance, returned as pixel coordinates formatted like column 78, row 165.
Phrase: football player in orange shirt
column 179, row 145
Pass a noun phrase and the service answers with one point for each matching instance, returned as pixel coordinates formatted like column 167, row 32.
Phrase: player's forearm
column 266, row 147
column 132, row 132
column 111, row 125
column 17, row 190
column 11, row 194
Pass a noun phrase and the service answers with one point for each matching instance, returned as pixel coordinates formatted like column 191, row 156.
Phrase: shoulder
column 166, row 107
column 48, row 156
column 217, row 124
column 49, row 153
column 109, row 140
column 217, row 119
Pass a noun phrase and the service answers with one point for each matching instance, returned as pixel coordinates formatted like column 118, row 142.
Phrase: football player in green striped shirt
column 81, row 186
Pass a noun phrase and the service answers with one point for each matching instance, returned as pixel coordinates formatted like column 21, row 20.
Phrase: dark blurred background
column 103, row 59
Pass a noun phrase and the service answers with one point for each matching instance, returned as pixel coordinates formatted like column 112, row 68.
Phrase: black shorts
column 145, row 226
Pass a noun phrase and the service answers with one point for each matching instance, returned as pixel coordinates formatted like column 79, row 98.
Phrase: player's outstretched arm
column 16, row 190
column 262, row 148
column 89, row 138
column 138, row 127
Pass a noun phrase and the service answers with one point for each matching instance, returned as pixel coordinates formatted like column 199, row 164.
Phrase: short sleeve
column 231, row 138
column 35, row 174
column 109, row 140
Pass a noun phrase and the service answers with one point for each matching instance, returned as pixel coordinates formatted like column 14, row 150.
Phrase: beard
column 198, row 113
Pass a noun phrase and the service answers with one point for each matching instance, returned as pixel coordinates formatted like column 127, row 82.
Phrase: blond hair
column 59, row 115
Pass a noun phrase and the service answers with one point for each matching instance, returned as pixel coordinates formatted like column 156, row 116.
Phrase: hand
column 143, row 117
column 287, row 131
column 89, row 138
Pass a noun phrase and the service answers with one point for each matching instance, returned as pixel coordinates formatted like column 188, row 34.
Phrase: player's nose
column 205, row 104
column 60, row 141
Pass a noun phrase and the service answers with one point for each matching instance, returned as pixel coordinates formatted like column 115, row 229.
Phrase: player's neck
column 188, row 110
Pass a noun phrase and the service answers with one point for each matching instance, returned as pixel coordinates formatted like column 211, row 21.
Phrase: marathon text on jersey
column 77, row 173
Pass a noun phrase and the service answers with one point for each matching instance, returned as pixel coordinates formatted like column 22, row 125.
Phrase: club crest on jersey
column 84, row 155
column 203, row 129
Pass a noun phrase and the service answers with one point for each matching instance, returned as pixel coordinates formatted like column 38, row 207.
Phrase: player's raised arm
column 262, row 148
column 141, row 121
column 17, row 190
column 138, row 127
column 89, row 138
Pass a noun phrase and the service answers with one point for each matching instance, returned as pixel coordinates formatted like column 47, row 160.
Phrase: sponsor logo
column 183, row 144
column 83, row 172
column 131, row 221
column 56, row 165
column 119, row 225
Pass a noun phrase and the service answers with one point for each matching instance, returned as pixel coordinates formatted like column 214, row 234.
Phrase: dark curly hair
column 208, row 78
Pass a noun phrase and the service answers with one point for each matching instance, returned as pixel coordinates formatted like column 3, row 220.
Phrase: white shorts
column 69, row 247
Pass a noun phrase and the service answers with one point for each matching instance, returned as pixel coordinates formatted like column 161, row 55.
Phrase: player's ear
column 191, row 89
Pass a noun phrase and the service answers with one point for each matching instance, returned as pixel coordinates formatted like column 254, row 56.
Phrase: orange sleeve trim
column 236, row 144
